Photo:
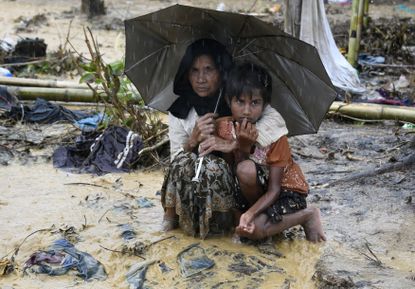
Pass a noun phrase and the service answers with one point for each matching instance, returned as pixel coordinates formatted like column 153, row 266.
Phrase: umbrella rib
column 168, row 23
column 146, row 57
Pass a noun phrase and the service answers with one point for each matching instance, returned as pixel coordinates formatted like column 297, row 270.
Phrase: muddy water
column 40, row 197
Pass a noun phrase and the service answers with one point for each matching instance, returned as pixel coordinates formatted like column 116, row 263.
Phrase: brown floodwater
column 38, row 196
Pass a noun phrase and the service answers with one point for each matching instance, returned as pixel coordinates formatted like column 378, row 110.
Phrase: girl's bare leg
column 309, row 218
column 246, row 173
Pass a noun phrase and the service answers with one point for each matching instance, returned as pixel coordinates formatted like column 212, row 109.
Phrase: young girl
column 272, row 189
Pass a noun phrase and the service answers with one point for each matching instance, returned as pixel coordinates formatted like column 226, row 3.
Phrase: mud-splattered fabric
column 288, row 201
column 204, row 206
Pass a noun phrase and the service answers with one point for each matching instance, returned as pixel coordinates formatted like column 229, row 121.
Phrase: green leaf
column 87, row 77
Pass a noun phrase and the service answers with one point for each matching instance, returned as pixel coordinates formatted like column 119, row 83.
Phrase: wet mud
column 116, row 218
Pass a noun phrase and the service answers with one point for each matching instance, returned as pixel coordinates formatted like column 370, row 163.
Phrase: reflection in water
column 39, row 196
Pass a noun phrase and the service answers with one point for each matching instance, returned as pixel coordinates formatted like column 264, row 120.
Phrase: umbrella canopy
column 156, row 42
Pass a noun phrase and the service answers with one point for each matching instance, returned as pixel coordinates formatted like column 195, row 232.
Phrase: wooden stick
column 406, row 162
column 157, row 145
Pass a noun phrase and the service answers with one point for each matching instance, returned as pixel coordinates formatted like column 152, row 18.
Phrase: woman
column 206, row 204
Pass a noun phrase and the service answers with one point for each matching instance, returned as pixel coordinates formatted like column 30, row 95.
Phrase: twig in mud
column 16, row 249
column 398, row 146
column 120, row 252
column 160, row 240
column 99, row 220
column 373, row 257
column 84, row 225
column 85, row 184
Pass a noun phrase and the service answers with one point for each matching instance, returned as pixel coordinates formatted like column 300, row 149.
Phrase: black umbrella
column 156, row 42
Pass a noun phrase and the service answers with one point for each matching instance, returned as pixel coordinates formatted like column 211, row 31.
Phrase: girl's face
column 204, row 77
column 247, row 107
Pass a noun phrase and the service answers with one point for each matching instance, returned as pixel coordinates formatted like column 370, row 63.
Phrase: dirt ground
column 369, row 221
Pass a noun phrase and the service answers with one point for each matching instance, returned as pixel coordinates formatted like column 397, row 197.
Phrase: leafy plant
column 124, row 105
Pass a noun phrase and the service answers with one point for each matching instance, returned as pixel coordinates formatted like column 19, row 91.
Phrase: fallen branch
column 406, row 162
column 85, row 184
column 154, row 147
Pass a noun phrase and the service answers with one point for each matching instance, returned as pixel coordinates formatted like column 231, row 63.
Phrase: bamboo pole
column 57, row 94
column 359, row 29
column 366, row 17
column 351, row 55
column 371, row 111
column 15, row 81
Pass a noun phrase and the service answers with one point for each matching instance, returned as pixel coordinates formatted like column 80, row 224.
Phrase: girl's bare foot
column 313, row 228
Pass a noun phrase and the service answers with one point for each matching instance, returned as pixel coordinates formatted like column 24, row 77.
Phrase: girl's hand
column 247, row 135
column 215, row 143
column 246, row 223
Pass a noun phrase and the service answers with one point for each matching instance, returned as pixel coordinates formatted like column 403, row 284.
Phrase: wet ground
column 369, row 221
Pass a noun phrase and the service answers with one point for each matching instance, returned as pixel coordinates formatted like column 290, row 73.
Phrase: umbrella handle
column 199, row 167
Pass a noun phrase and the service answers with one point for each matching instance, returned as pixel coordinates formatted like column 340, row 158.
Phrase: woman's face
column 204, row 76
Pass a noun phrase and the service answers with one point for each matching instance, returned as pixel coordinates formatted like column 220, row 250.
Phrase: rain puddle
column 105, row 216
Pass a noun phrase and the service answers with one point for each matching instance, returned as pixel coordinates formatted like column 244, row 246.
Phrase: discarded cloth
column 193, row 260
column 61, row 257
column 315, row 30
column 44, row 111
column 115, row 150
column 91, row 123
column 366, row 59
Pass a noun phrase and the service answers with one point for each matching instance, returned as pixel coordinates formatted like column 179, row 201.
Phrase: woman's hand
column 246, row 134
column 246, row 223
column 204, row 127
column 215, row 143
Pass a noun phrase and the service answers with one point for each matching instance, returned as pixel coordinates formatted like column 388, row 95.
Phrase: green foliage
column 111, row 86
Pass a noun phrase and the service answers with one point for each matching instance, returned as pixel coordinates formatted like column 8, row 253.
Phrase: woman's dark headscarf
column 182, row 87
